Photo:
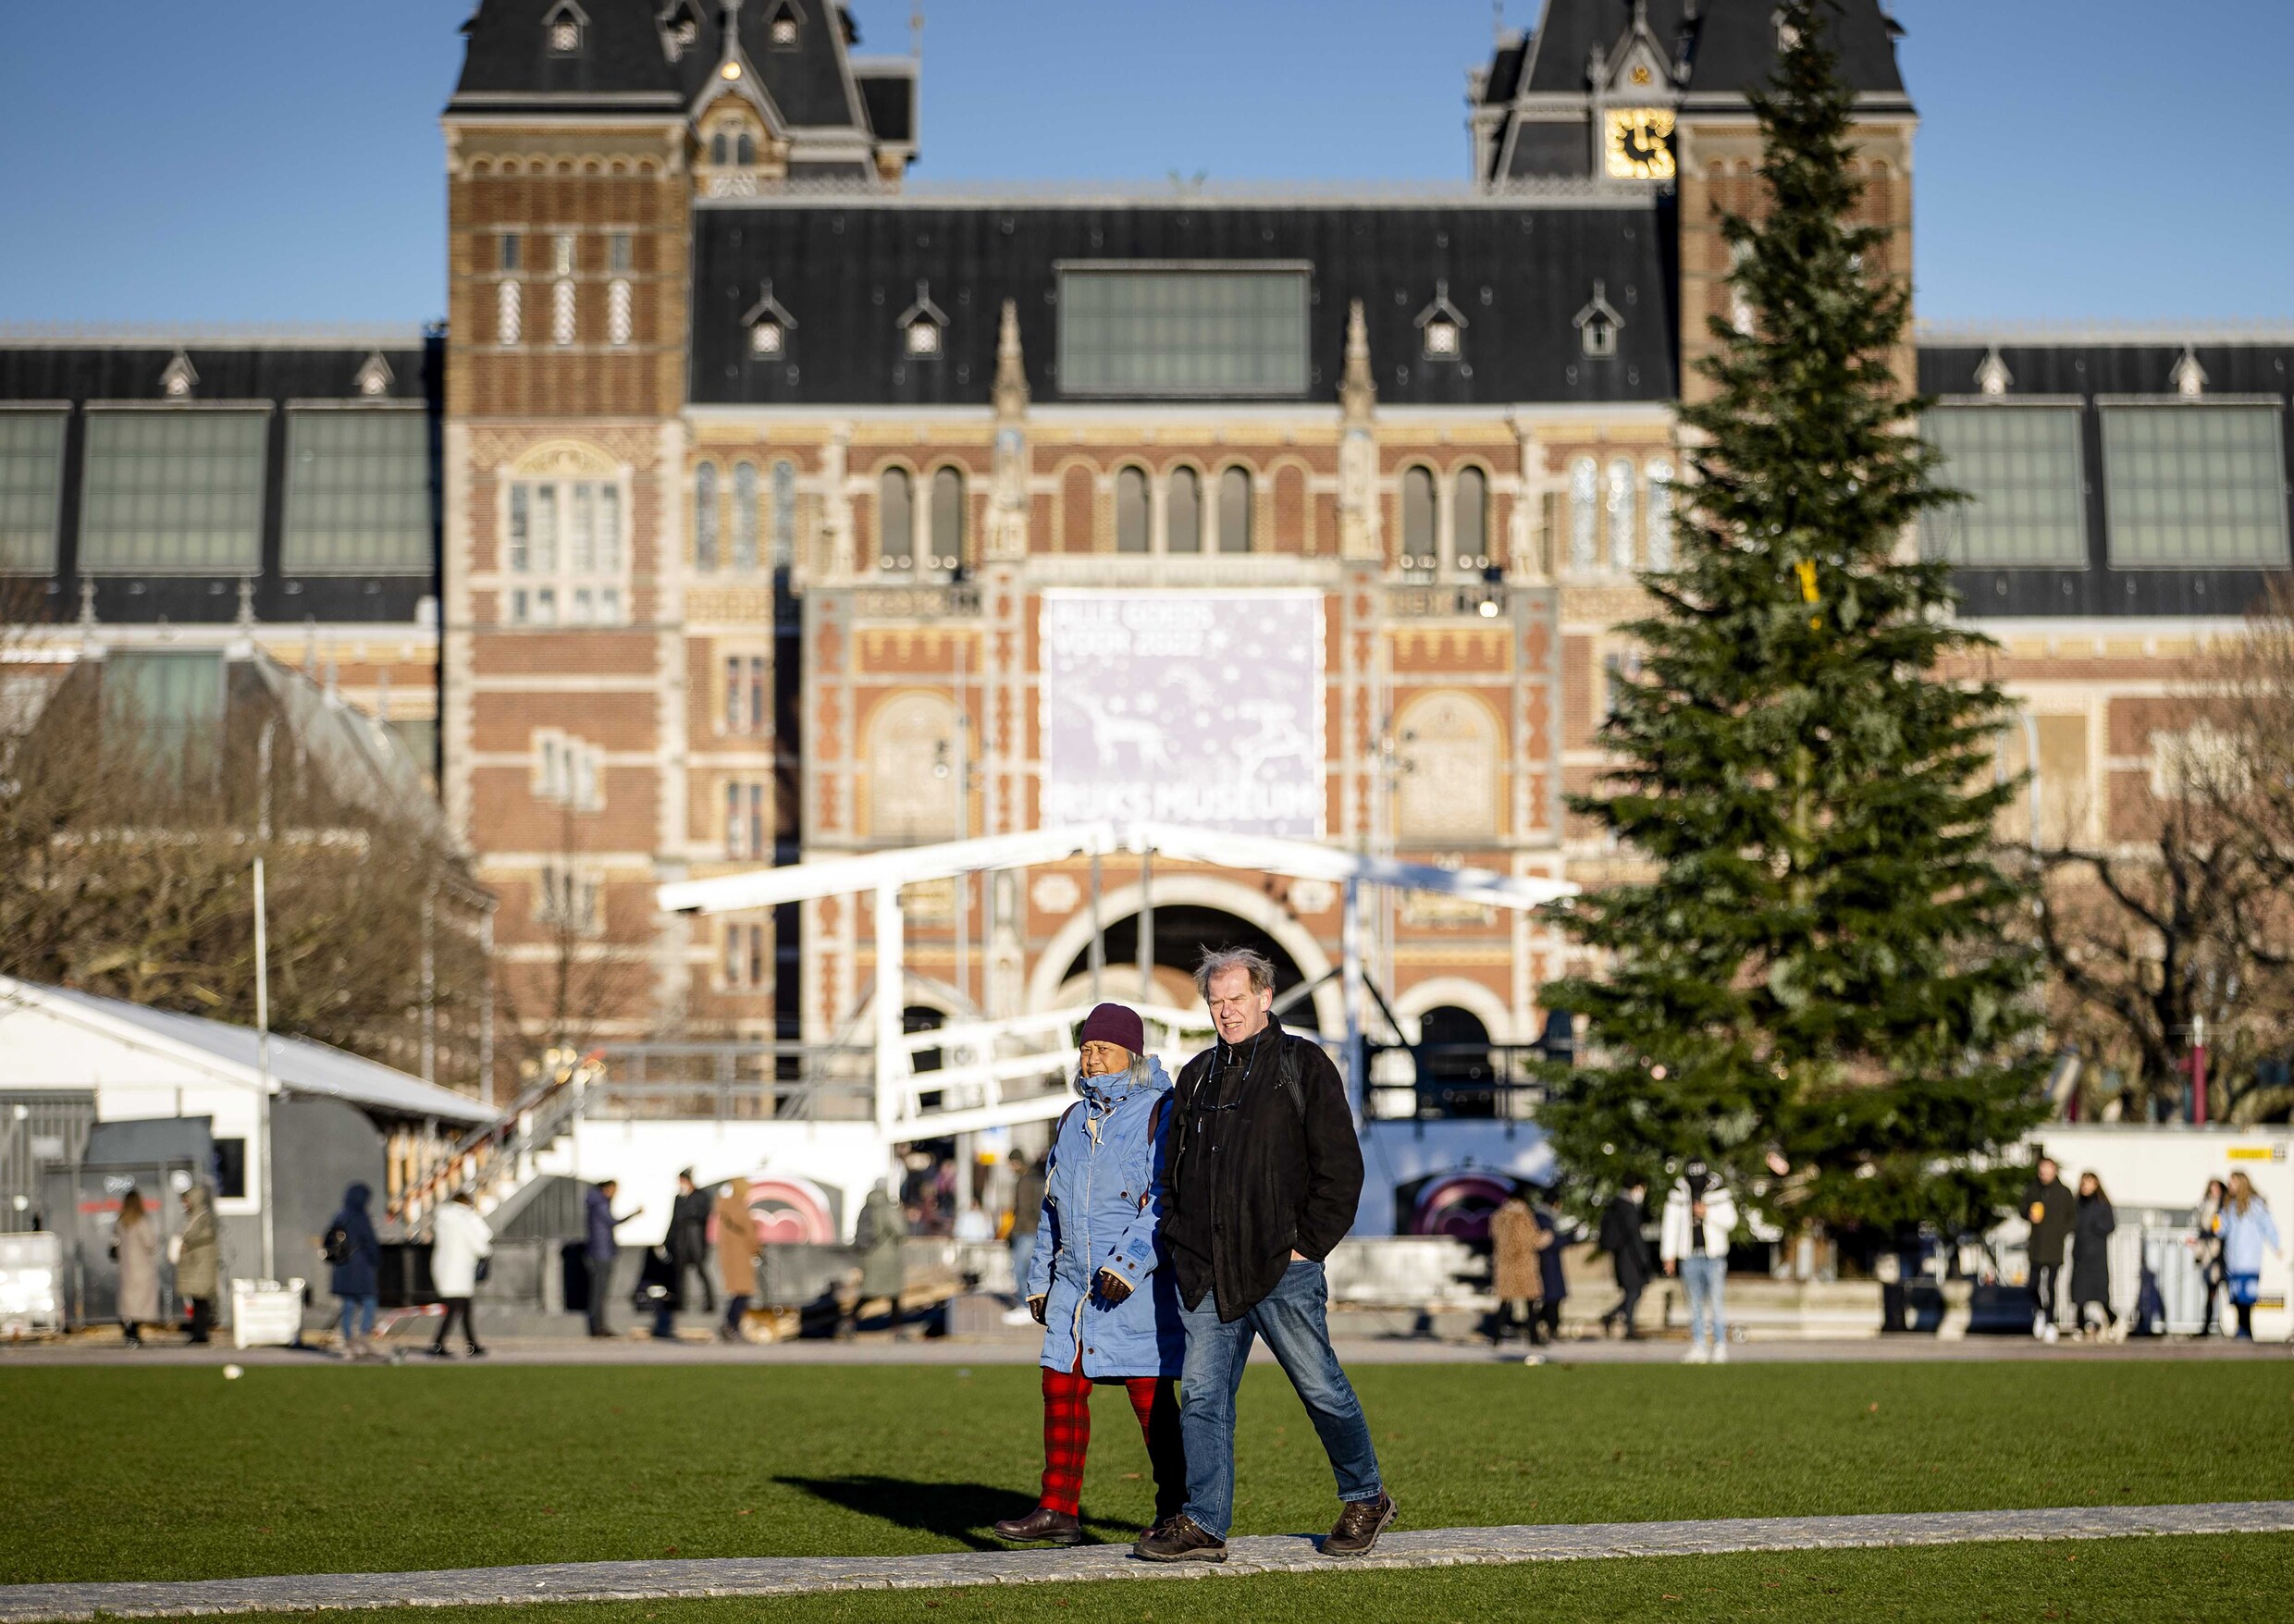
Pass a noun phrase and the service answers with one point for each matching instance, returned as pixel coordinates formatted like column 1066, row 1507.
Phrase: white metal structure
column 988, row 1055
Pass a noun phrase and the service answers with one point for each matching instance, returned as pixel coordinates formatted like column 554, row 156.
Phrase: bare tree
column 574, row 971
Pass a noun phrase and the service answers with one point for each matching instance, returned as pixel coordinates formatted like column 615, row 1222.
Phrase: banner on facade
column 1204, row 708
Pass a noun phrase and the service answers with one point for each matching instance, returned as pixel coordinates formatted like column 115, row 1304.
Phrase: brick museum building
column 759, row 501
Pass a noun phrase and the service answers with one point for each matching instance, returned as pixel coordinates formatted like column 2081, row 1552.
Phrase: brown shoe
column 1179, row 1540
column 1042, row 1525
column 1359, row 1527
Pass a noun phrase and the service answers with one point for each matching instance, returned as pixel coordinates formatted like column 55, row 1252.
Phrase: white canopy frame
column 883, row 873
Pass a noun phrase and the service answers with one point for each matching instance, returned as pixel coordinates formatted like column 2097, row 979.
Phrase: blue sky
column 269, row 161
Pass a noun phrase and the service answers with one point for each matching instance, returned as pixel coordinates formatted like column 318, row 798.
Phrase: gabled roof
column 227, row 1053
column 888, row 96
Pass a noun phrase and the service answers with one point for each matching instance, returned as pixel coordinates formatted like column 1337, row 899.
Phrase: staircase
column 496, row 1163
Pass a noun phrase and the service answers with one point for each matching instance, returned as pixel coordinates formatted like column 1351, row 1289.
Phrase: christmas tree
column 1809, row 976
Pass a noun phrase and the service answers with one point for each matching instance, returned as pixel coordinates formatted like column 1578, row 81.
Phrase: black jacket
column 2090, row 1250
column 1273, row 1174
column 688, row 1228
column 1620, row 1238
column 2050, row 1210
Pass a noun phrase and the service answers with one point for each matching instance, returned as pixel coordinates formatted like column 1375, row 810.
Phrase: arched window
column 1417, row 518
column 895, row 520
column 784, row 515
column 947, row 519
column 717, row 153
column 1584, row 517
column 1624, row 487
column 1469, row 520
column 1659, row 514
column 744, row 516
column 745, row 149
column 705, row 516
column 1182, row 523
column 1234, row 517
column 1130, row 510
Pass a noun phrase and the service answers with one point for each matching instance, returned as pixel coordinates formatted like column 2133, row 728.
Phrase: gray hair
column 1217, row 960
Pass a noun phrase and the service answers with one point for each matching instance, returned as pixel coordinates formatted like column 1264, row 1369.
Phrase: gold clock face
column 1636, row 143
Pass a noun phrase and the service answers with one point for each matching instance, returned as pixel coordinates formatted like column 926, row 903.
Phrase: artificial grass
column 2234, row 1578
column 176, row 1473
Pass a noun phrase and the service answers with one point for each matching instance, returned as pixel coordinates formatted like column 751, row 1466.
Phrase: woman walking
column 460, row 1240
column 2246, row 1230
column 2091, row 1257
column 1109, row 1312
column 135, row 1242
column 1516, row 1243
column 737, row 1255
column 353, row 1255
column 198, row 1260
column 2206, row 1249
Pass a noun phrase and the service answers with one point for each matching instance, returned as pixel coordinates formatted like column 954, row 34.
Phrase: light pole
column 262, row 1074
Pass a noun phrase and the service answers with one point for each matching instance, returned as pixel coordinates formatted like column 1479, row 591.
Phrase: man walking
column 688, row 1238
column 599, row 1249
column 1628, row 1253
column 2050, row 1211
column 1263, row 1176
column 1700, row 1215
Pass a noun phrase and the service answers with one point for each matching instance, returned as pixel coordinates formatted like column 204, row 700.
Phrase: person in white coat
column 1700, row 1215
column 460, row 1242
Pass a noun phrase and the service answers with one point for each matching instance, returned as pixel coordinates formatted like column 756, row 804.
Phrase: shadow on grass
column 961, row 1512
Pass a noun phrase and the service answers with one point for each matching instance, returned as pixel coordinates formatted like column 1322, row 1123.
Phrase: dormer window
column 1599, row 323
column 922, row 325
column 374, row 376
column 680, row 25
column 178, row 378
column 562, row 28
column 2189, row 377
column 768, row 324
column 784, row 26
column 1441, row 326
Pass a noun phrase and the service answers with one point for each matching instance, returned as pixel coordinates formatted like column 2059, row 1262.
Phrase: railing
column 1432, row 1082
column 492, row 1160
column 735, row 1082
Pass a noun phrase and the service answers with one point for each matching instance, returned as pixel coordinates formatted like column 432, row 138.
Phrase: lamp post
column 262, row 1074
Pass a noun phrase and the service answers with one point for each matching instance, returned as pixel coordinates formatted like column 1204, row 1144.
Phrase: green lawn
column 176, row 1473
column 2236, row 1579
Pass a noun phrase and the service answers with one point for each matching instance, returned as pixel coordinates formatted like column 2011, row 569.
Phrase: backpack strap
column 1290, row 1075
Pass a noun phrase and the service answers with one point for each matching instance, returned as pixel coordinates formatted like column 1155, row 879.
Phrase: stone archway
column 1119, row 907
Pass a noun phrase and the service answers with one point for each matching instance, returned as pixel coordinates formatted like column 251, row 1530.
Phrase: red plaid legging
column 1068, row 1436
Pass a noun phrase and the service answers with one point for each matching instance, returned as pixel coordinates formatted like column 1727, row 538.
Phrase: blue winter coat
column 1102, row 1209
column 355, row 1276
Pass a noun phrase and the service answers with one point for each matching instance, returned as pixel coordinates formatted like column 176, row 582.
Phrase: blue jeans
column 1291, row 1319
column 1023, row 1252
column 359, row 1313
column 1703, row 1276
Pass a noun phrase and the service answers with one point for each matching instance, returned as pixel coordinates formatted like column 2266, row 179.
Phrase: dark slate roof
column 888, row 94
column 1505, row 73
column 1519, row 271
column 1730, row 46
column 129, row 369
column 620, row 59
column 806, row 85
column 2107, row 365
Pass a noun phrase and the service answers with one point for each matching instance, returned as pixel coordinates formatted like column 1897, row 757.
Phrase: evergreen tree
column 1818, row 991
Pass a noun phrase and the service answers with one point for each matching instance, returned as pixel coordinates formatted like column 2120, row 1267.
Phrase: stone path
column 780, row 1576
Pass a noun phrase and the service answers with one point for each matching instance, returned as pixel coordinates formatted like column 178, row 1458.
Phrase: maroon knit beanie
column 1111, row 1022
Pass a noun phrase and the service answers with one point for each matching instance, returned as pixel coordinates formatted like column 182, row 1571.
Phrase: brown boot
column 1042, row 1525
column 1359, row 1527
column 1179, row 1540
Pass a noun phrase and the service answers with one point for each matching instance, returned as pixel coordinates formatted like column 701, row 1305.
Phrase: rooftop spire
column 1011, row 377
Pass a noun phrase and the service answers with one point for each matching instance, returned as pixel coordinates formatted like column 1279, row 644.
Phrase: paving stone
column 1444, row 1547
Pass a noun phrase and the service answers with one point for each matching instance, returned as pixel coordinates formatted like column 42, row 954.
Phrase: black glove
column 1035, row 1307
column 1113, row 1287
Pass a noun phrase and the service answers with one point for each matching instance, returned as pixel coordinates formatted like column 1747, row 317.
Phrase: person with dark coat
column 2048, row 1208
column 1628, row 1253
column 1556, row 1283
column 599, row 1247
column 688, row 1238
column 1027, row 1207
column 1261, row 1182
column 2091, row 1258
column 354, row 1256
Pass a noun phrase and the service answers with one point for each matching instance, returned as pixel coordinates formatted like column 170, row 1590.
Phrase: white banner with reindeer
column 1197, row 707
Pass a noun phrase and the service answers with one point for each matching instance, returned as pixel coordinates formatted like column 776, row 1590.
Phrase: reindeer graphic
column 1111, row 732
column 1278, row 737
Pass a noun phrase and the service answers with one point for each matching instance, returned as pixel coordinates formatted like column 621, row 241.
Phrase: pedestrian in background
column 1622, row 1222
column 2091, row 1258
column 737, row 1255
column 460, row 1242
column 2050, row 1211
column 883, row 1271
column 973, row 1224
column 2246, row 1231
column 1515, row 1278
column 1109, row 1308
column 599, row 1247
column 1547, row 1325
column 688, row 1240
column 198, row 1260
column 1700, row 1216
column 135, row 1243
column 353, row 1254
column 1026, row 1212
column 2206, row 1249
